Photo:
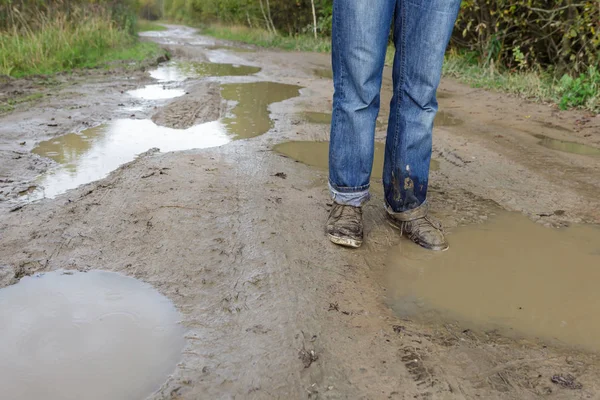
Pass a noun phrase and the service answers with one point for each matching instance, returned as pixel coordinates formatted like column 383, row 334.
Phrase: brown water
column 92, row 154
column 251, row 117
column 567, row 147
column 316, row 154
column 509, row 274
column 94, row 336
column 325, row 73
column 324, row 118
column 445, row 118
column 179, row 71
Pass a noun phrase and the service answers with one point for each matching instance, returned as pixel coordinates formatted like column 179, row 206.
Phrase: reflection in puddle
column 95, row 335
column 90, row 155
column 251, row 114
column 156, row 92
column 444, row 118
column 316, row 154
column 180, row 71
column 510, row 274
column 567, row 147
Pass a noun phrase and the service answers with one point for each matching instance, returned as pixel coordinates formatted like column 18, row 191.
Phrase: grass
column 263, row 38
column 144, row 25
column 59, row 44
column 580, row 92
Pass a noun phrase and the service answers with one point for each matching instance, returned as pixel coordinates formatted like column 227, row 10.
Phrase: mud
column 316, row 154
column 94, row 335
column 508, row 274
column 233, row 235
column 185, row 113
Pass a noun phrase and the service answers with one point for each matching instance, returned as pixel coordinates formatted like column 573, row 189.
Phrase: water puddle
column 324, row 73
column 95, row 336
column 250, row 115
column 316, row 154
column 567, row 147
column 232, row 48
column 324, row 118
column 444, row 118
column 156, row 92
column 180, row 71
column 509, row 274
column 92, row 154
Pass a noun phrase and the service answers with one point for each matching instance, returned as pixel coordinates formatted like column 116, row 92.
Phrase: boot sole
column 346, row 242
column 425, row 245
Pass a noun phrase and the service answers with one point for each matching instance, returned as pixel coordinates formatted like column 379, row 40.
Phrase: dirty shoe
column 345, row 225
column 421, row 228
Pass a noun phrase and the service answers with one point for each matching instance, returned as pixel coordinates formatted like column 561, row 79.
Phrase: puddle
column 444, row 118
column 95, row 335
column 250, row 116
column 508, row 274
column 316, row 154
column 324, row 118
column 90, row 155
column 178, row 72
column 567, row 147
column 156, row 92
column 232, row 48
column 324, row 73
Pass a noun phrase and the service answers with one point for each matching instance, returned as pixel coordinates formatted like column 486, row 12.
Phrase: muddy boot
column 421, row 228
column 345, row 225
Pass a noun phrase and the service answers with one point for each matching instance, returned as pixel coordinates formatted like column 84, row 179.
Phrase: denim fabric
column 421, row 31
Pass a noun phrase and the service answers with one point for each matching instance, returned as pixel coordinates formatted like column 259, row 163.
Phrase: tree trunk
column 271, row 18
column 312, row 2
column 262, row 9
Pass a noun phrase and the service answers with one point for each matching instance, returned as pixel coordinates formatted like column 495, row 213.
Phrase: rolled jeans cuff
column 408, row 215
column 353, row 198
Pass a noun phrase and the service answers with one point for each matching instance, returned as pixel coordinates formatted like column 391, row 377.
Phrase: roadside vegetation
column 45, row 37
column 543, row 50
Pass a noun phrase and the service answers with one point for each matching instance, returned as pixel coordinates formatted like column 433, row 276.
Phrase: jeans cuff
column 355, row 199
column 408, row 215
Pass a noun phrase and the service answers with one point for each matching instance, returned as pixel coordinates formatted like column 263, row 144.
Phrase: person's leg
column 422, row 30
column 359, row 42
column 360, row 34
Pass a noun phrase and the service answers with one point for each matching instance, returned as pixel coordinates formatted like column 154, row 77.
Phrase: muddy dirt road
column 226, row 220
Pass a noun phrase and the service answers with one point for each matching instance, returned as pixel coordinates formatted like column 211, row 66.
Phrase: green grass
column 61, row 45
column 263, row 38
column 144, row 25
column 580, row 92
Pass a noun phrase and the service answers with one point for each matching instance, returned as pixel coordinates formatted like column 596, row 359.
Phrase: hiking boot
column 345, row 225
column 420, row 227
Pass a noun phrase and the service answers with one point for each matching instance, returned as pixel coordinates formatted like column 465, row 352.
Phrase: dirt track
column 273, row 310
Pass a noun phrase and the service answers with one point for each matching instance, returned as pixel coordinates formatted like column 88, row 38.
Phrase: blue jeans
column 421, row 31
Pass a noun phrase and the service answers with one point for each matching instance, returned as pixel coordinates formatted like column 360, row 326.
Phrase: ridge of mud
column 201, row 104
